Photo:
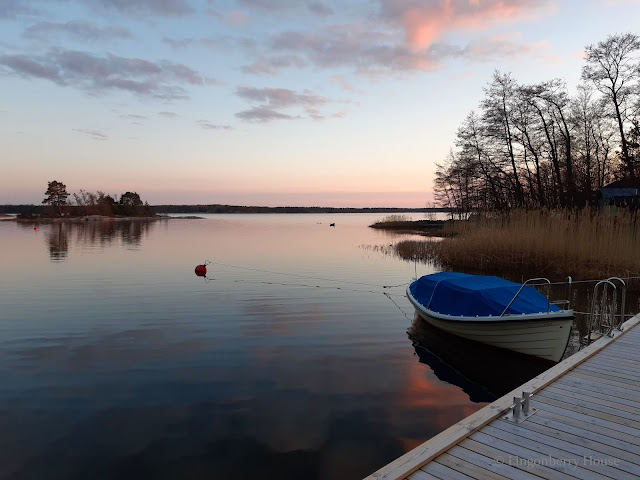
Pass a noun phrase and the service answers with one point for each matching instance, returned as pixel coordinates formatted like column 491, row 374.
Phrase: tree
column 56, row 196
column 498, row 107
column 613, row 69
column 129, row 204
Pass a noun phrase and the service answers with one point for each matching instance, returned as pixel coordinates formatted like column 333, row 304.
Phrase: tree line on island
column 85, row 203
column 537, row 146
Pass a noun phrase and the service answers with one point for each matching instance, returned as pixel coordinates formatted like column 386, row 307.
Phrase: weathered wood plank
column 617, row 371
column 590, row 386
column 547, row 443
column 547, row 449
column 616, row 358
column 613, row 371
column 515, row 454
column 585, row 417
column 589, row 411
column 588, row 402
column 632, row 441
column 462, row 465
column 441, row 471
column 621, row 355
column 498, row 462
column 618, row 362
column 602, row 379
column 608, row 400
column 422, row 475
column 580, row 438
column 626, row 349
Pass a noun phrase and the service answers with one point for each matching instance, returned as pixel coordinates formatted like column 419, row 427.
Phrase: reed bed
column 583, row 244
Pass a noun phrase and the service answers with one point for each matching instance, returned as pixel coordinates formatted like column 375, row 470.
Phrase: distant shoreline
column 215, row 208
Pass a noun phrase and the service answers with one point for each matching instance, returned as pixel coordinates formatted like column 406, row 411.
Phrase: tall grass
column 561, row 242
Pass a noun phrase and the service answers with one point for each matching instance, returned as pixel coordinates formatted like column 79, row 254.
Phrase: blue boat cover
column 460, row 294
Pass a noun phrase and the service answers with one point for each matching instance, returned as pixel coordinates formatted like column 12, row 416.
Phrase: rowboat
column 494, row 311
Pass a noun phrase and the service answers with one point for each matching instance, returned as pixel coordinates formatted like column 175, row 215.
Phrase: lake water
column 288, row 362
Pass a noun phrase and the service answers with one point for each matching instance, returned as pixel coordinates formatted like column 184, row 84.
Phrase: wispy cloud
column 320, row 9
column 425, row 22
column 207, row 125
column 271, row 65
column 342, row 82
column 403, row 35
column 135, row 118
column 270, row 5
column 372, row 49
column 262, row 115
column 96, row 135
column 78, row 30
column 10, row 9
column 220, row 43
column 280, row 97
column 168, row 114
column 165, row 80
column 164, row 8
column 272, row 100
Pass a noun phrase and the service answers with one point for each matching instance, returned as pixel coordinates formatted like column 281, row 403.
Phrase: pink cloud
column 425, row 22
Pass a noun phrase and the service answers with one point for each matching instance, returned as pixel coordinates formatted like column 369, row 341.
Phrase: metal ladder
column 604, row 317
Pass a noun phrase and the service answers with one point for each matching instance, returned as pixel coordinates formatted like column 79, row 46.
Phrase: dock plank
column 422, row 475
column 612, row 372
column 627, row 425
column 614, row 430
column 441, row 471
column 588, row 402
column 581, row 437
column 617, row 358
column 590, row 387
column 546, row 443
column 460, row 464
column 631, row 406
column 530, row 459
column 603, row 379
column 497, row 462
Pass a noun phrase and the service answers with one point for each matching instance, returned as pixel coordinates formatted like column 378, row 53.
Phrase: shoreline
column 432, row 228
column 89, row 219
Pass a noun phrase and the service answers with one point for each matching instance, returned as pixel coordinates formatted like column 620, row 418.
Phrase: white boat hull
column 542, row 335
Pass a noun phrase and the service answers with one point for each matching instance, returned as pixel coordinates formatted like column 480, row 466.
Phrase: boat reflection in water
column 483, row 372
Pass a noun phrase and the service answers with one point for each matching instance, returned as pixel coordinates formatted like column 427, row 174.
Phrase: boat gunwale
column 508, row 318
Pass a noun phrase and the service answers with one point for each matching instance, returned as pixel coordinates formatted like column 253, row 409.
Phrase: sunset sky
column 266, row 102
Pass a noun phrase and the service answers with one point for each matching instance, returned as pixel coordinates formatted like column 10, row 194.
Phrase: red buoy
column 201, row 271
column 35, row 228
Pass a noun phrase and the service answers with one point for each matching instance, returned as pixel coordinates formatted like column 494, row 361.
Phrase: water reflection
column 58, row 242
column 483, row 372
column 92, row 234
column 129, row 232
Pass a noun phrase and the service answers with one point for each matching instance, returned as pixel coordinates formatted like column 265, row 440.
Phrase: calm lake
column 288, row 362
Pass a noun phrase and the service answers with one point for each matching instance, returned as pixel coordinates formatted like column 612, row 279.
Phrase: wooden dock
column 586, row 425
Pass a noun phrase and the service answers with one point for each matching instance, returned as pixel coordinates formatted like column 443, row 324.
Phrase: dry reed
column 561, row 242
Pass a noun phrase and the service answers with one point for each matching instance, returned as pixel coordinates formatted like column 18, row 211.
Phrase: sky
column 266, row 102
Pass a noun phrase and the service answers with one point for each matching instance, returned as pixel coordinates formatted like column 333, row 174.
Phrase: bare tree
column 498, row 106
column 613, row 69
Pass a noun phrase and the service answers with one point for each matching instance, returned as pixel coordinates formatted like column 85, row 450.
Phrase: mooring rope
column 309, row 277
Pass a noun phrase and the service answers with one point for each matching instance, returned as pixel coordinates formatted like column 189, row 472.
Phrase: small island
column 88, row 206
column 402, row 224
